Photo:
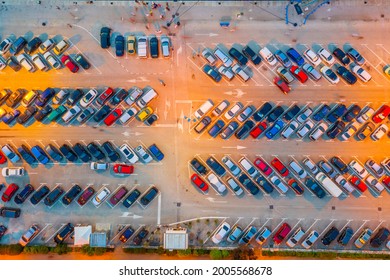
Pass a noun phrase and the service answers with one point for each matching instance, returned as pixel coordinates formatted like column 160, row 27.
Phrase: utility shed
column 82, row 235
column 176, row 239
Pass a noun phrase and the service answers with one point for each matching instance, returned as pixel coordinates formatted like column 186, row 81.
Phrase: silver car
column 227, row 72
column 289, row 129
column 143, row 154
column 285, row 74
column 311, row 71
column 233, row 168
column 209, row 56
column 134, row 93
column 128, row 153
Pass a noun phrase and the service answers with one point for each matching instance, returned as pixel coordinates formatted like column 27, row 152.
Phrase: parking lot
column 184, row 89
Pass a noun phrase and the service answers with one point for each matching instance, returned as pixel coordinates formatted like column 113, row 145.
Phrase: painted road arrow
column 234, row 147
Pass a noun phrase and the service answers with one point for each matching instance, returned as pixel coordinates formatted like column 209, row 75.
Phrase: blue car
column 212, row 72
column 156, row 152
column 10, row 153
column 216, row 128
column 216, row 166
column 275, row 129
column 40, row 154
column 321, row 113
column 337, row 113
column 315, row 188
column 44, row 97
column 295, row 56
column 11, row 116
column 283, row 59
column 54, row 152
column 27, row 155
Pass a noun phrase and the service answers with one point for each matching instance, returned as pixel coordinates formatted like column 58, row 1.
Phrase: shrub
column 61, row 249
column 215, row 255
column 40, row 249
column 183, row 253
column 225, row 254
column 12, row 249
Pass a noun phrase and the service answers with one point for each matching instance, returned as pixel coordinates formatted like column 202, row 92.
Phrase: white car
column 233, row 168
column 318, row 131
column 52, row 60
column 365, row 114
column 129, row 114
column 386, row 164
column 221, row 232
column 342, row 182
column 216, row 183
column 38, row 60
column 304, row 115
column 12, row 171
column 295, row 238
column 99, row 166
column 71, row 113
column 313, row 168
column 134, row 93
column 234, row 186
column 349, row 131
column 47, row 45
column 3, row 63
column 375, row 184
column 312, row 57
column 101, row 196
column 376, row 169
column 233, row 111
column 305, row 128
column 26, row 63
column 143, row 154
column 359, row 170
column 227, row 72
column 252, row 171
column 361, row 73
column 128, row 153
column 279, row 184
column 5, row 45
column 88, row 98
column 289, row 129
column 209, row 56
column 220, row 108
column 326, row 56
column 297, row 169
column 310, row 239
column 330, row 75
column 379, row 132
column 263, row 236
column 165, row 46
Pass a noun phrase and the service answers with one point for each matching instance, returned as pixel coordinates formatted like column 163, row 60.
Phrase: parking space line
column 270, row 83
column 364, row 222
column 277, row 227
column 299, row 220
column 381, row 222
column 315, row 221
column 332, row 220
column 120, row 232
column 55, row 233
column 348, row 221
column 213, row 232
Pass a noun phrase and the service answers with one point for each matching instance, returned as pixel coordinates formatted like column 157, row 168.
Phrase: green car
column 58, row 112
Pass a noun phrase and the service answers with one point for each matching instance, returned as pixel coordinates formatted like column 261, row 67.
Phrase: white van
column 223, row 57
column 149, row 95
column 204, row 108
column 328, row 184
column 268, row 56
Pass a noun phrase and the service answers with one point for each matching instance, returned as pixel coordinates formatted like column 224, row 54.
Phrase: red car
column 281, row 233
column 263, row 166
column 106, row 94
column 381, row 114
column 86, row 195
column 298, row 73
column 282, row 85
column 113, row 116
column 198, row 182
column 386, row 181
column 280, row 167
column 259, row 129
column 3, row 158
column 9, row 192
column 357, row 183
column 123, row 169
column 69, row 63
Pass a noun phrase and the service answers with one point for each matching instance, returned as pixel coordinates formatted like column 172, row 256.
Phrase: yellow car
column 131, row 44
column 386, row 70
column 144, row 114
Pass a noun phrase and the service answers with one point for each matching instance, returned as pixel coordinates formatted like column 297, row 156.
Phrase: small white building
column 176, row 239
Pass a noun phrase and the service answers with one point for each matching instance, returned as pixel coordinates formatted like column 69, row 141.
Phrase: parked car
column 380, row 237
column 101, row 196
column 212, row 72
column 295, row 56
column 381, row 114
column 281, row 233
column 310, row 239
column 9, row 192
column 341, row 56
column 24, row 194
column 105, row 37
column 140, row 236
column 118, row 195
column 119, row 45
column 312, row 57
column 283, row 59
column 69, row 63
column 329, row 75
column 321, row 113
column 29, row 235
column 356, row 56
column 346, row 75
column 143, row 154
column 345, row 236
column 82, row 61
column 85, row 196
column 241, row 59
column 126, row 234
column 128, row 153
column 234, row 234
column 53, row 196
column 64, row 233
column 197, row 181
column 330, row 235
column 363, row 238
column 39, row 194
column 248, row 235
column 282, row 85
column 220, row 233
column 149, row 196
column 263, row 236
column 359, row 170
column 131, row 198
column 326, row 57
column 295, row 237
column 251, row 54
column 71, row 194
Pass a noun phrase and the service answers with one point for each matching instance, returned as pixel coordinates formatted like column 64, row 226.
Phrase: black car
column 264, row 184
column 321, row 113
column 238, row 56
column 53, row 152
column 74, row 97
column 44, row 97
column 120, row 95
column 329, row 236
column 82, row 152
column 315, row 188
column 28, row 114
column 345, row 236
column 53, row 196
column 352, row 112
column 102, row 113
column 105, row 37
column 198, row 166
column 64, row 233
column 82, row 61
column 216, row 166
column 250, row 53
column 14, row 64
column 15, row 97
column 71, row 194
column 26, row 154
column 335, row 129
column 112, row 154
column 43, row 113
column 276, row 112
column 339, row 164
column 3, row 229
column 244, row 130
column 248, row 184
column 380, row 237
column 67, row 151
column 39, row 195
column 151, row 120
column 341, row 56
column 131, row 198
column 140, row 236
column 149, row 196
column 346, row 75
column 33, row 45
column 153, row 44
column 119, row 45
column 262, row 112
column 17, row 46
column 24, row 194
column 96, row 151
column 291, row 113
column 337, row 113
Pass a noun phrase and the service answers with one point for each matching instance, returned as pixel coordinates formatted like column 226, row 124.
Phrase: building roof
column 82, row 234
column 176, row 239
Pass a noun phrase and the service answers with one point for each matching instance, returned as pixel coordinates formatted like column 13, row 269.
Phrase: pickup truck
column 142, row 47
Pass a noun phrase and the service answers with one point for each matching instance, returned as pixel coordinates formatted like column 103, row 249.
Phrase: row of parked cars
column 38, row 54
column 334, row 176
column 76, row 193
column 140, row 45
column 339, row 122
column 299, row 236
column 92, row 152
column 70, row 105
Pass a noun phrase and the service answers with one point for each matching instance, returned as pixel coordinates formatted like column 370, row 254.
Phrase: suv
column 24, row 194
column 64, row 233
column 131, row 198
column 380, row 237
column 149, row 196
column 96, row 151
column 216, row 166
column 67, row 151
column 345, row 236
column 71, row 194
column 250, row 53
column 74, row 97
column 53, row 196
column 118, row 195
column 39, row 195
column 111, row 152
column 330, row 236
column 105, row 37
